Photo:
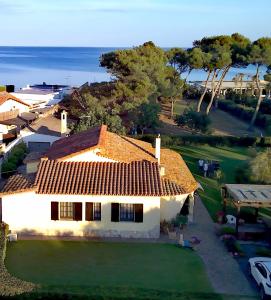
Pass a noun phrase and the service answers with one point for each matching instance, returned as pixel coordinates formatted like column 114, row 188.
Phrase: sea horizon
column 23, row 65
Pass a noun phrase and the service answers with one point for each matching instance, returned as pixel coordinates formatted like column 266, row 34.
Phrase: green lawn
column 78, row 266
column 229, row 158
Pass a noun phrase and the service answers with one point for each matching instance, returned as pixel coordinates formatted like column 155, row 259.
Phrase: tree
column 216, row 57
column 139, row 74
column 225, row 52
column 260, row 168
column 148, row 116
column 94, row 114
column 267, row 77
column 172, row 90
column 259, row 56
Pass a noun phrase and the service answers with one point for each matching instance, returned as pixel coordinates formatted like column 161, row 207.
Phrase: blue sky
column 128, row 22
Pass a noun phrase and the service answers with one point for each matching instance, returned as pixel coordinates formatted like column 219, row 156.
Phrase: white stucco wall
column 90, row 155
column 13, row 105
column 171, row 206
column 4, row 128
column 31, row 213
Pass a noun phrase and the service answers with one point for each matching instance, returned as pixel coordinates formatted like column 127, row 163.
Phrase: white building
column 97, row 183
column 42, row 95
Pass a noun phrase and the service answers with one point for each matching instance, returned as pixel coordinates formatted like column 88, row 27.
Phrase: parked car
column 260, row 270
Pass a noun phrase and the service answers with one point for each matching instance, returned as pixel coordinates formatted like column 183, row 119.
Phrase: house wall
column 171, row 206
column 30, row 213
column 91, row 155
column 12, row 105
column 4, row 128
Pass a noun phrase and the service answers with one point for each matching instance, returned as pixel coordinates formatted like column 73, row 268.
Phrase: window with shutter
column 77, row 213
column 93, row 211
column 114, row 212
column 127, row 212
column 97, row 211
column 66, row 210
column 54, row 211
column 138, row 213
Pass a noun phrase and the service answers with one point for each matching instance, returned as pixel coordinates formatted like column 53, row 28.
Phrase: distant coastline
column 22, row 65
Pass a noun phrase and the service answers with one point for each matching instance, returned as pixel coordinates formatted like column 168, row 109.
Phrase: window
column 66, row 210
column 93, row 211
column 97, row 211
column 262, row 270
column 127, row 212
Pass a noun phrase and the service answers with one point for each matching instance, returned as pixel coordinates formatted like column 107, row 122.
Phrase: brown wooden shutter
column 89, row 211
column 138, row 213
column 54, row 211
column 77, row 211
column 114, row 212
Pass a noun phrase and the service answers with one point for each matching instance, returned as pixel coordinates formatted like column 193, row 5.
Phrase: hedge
column 168, row 141
column 9, row 285
column 245, row 113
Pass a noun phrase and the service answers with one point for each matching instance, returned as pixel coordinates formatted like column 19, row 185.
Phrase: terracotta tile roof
column 139, row 178
column 5, row 96
column 171, row 188
column 17, row 184
column 175, row 167
column 77, row 143
column 124, row 149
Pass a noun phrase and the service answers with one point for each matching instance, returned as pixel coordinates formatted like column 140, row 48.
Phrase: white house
column 97, row 183
column 8, row 102
column 42, row 95
column 41, row 134
column 10, row 108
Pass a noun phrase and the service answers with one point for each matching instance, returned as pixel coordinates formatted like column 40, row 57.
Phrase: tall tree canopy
column 259, row 56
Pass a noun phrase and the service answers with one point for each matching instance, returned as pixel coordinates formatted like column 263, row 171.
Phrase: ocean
column 20, row 66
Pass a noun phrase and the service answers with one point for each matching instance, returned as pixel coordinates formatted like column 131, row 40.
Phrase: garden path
column 222, row 269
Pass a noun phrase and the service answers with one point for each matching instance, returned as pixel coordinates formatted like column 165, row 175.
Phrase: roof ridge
column 9, row 96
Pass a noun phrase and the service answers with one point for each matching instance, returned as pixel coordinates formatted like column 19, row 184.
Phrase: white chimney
column 158, row 148
column 63, row 125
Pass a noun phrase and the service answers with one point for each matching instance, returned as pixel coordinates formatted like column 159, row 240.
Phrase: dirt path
column 222, row 269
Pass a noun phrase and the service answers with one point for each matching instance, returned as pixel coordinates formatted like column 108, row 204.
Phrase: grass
column 88, row 266
column 229, row 158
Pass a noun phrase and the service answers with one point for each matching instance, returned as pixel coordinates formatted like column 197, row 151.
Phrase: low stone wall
column 9, row 285
column 151, row 234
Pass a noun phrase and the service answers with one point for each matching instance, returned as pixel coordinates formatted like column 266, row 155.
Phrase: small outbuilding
column 246, row 195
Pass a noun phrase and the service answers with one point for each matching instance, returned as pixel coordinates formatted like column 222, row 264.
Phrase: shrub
column 14, row 159
column 226, row 230
column 194, row 120
column 262, row 251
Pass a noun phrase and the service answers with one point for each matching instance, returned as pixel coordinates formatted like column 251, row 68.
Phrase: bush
column 262, row 251
column 226, row 230
column 14, row 159
column 194, row 120
column 230, row 141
